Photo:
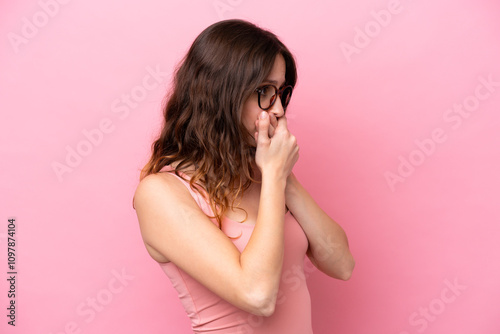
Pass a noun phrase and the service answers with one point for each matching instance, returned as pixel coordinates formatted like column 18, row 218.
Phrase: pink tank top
column 211, row 314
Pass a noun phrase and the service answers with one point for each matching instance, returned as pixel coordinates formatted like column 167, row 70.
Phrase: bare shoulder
column 160, row 192
column 162, row 202
column 159, row 185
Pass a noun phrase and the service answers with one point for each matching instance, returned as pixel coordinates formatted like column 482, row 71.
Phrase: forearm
column 328, row 242
column 262, row 258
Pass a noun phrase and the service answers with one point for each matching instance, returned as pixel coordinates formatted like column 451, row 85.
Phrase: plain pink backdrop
column 379, row 86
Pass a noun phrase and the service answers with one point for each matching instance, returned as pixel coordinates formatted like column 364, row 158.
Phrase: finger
column 274, row 120
column 263, row 127
column 271, row 131
column 273, row 124
column 282, row 122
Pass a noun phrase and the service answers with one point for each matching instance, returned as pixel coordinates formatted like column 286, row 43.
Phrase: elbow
column 346, row 276
column 347, row 273
column 262, row 304
column 266, row 309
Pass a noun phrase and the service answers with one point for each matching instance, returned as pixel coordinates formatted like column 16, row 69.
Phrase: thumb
column 283, row 122
column 263, row 135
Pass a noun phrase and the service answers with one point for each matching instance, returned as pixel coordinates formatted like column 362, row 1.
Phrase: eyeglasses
column 268, row 93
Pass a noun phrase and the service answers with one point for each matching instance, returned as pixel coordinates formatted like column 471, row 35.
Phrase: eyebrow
column 273, row 82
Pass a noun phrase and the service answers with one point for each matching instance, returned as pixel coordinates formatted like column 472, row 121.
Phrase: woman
column 218, row 205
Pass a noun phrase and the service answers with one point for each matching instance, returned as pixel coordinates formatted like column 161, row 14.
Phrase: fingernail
column 263, row 115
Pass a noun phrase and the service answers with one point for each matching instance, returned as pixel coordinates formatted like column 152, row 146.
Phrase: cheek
column 251, row 122
column 249, row 116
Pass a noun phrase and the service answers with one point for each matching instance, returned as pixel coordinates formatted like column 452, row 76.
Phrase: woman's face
column 251, row 109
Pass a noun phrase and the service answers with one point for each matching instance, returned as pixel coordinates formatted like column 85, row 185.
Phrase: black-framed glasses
column 268, row 94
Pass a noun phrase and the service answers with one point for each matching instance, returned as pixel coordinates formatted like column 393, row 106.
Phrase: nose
column 277, row 108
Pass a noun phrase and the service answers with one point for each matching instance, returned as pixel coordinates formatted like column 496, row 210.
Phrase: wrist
column 274, row 177
column 291, row 183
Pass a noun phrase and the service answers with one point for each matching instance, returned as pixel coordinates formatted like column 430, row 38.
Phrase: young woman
column 218, row 205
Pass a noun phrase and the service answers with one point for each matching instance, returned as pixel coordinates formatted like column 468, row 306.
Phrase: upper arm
column 173, row 224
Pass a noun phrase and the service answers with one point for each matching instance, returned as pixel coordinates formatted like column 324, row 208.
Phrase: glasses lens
column 267, row 95
column 285, row 96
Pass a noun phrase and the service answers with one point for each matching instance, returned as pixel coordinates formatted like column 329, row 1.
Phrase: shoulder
column 163, row 205
column 164, row 187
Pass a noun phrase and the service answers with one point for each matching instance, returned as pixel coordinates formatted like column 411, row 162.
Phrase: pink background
column 375, row 94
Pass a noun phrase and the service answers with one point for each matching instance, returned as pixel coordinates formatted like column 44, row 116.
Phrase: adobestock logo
column 31, row 27
column 431, row 311
column 94, row 137
column 454, row 116
column 363, row 36
column 96, row 304
column 436, row 306
column 222, row 6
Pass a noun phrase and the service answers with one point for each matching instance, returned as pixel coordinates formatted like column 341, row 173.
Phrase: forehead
column 278, row 71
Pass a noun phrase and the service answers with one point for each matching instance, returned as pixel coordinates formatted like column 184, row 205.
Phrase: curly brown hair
column 202, row 116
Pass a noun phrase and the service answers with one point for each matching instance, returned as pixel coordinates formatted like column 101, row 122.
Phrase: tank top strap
column 200, row 200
